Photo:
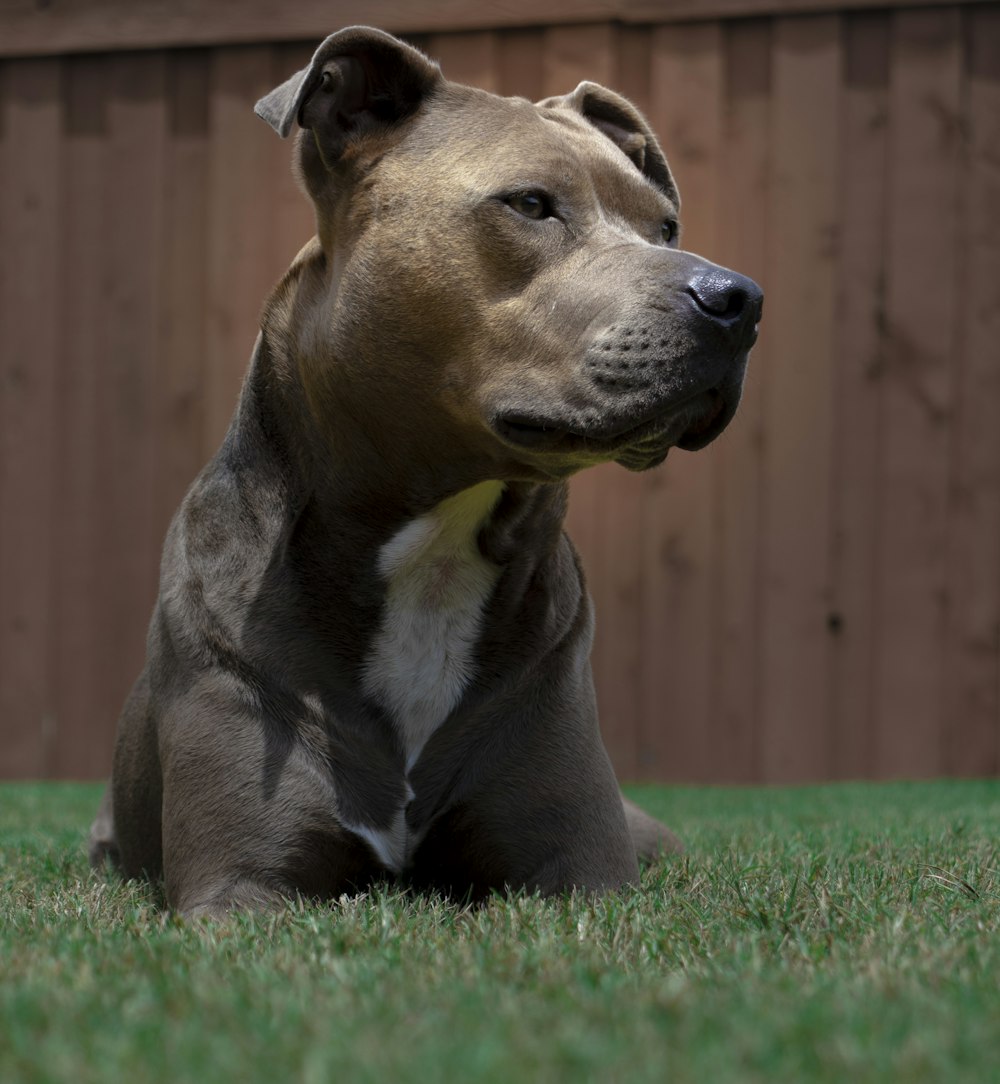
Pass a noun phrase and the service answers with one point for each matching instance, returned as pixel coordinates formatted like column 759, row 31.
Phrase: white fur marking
column 389, row 844
column 437, row 583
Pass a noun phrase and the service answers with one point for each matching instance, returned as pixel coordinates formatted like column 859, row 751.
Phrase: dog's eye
column 669, row 231
column 534, row 205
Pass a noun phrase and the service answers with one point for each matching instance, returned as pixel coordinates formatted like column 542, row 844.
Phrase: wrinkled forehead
column 486, row 143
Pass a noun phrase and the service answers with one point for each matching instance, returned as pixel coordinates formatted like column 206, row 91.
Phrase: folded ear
column 625, row 126
column 357, row 79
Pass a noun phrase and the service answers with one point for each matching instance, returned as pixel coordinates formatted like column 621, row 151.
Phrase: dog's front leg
column 540, row 812
column 249, row 812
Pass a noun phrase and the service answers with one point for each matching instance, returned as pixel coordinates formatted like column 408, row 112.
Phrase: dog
column 369, row 657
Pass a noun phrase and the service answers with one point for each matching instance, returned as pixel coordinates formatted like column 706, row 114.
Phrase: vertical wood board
column 78, row 611
column 971, row 714
column 860, row 363
column 130, row 310
column 520, row 58
column 29, row 235
column 925, row 145
column 467, row 58
column 742, row 245
column 803, row 216
column 181, row 373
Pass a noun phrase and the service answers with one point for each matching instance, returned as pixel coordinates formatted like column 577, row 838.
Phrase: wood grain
column 971, row 715
column 29, row 296
column 919, row 392
column 129, row 310
column 804, row 210
column 860, row 364
column 81, row 737
column 742, row 240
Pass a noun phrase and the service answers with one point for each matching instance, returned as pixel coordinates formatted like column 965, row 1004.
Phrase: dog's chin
column 696, row 426
column 640, row 459
column 637, row 447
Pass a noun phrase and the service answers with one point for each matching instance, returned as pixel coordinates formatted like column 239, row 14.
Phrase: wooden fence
column 816, row 596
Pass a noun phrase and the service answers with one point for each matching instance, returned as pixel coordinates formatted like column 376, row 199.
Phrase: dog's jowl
column 369, row 656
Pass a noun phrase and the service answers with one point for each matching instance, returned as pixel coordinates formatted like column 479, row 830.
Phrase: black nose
column 731, row 299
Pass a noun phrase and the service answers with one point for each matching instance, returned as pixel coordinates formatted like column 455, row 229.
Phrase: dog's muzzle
column 671, row 375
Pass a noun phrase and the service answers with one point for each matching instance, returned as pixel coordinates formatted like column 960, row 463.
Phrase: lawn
column 838, row 933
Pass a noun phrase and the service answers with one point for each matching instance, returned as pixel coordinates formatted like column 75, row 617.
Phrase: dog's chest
column 437, row 584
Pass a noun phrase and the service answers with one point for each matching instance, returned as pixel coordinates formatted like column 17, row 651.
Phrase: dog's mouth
column 707, row 418
column 690, row 426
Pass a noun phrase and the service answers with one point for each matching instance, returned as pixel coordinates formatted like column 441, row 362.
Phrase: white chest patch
column 437, row 583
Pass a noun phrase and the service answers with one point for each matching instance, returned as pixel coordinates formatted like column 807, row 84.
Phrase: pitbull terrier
column 370, row 652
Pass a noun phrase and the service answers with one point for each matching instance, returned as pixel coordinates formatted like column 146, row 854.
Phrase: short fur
column 370, row 652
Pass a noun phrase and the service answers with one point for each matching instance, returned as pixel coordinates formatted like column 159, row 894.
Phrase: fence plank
column 467, row 58
column 634, row 64
column 242, row 264
column 742, row 246
column 679, row 518
column 127, row 438
column 31, row 243
column 521, row 63
column 918, row 395
column 860, row 316
column 573, row 53
column 971, row 716
column 803, row 211
column 78, row 607
column 181, row 376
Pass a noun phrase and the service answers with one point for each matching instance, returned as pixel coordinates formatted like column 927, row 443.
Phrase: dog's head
column 522, row 259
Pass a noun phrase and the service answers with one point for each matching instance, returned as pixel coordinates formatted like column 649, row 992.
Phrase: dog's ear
column 625, row 126
column 359, row 78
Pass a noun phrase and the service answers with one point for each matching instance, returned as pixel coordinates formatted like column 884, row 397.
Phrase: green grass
column 842, row 933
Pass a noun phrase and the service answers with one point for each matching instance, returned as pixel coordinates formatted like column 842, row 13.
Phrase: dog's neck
column 340, row 505
column 398, row 577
